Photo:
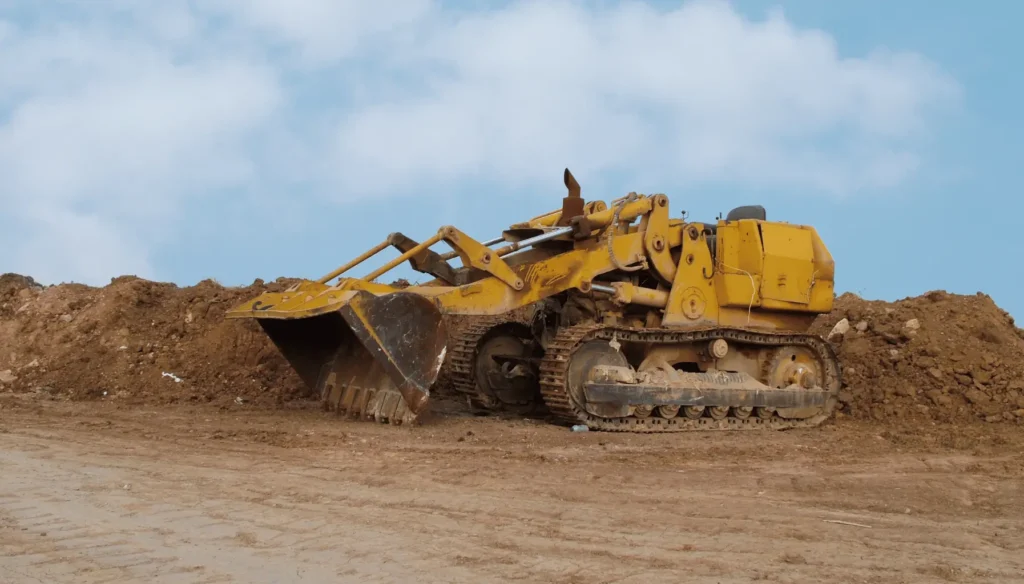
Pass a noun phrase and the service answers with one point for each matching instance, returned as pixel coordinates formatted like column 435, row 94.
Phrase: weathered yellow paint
column 355, row 262
column 763, row 274
column 406, row 256
column 693, row 299
column 656, row 226
column 740, row 264
column 626, row 293
column 628, row 212
column 551, row 219
column 473, row 253
column 308, row 298
column 788, row 263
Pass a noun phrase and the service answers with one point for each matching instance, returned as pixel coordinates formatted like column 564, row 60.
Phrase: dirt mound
column 939, row 356
column 135, row 339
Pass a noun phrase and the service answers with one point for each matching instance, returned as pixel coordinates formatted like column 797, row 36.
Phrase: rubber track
column 557, row 357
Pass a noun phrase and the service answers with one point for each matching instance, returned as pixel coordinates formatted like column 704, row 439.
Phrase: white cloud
column 114, row 115
column 163, row 129
column 102, row 139
column 63, row 245
column 699, row 93
column 321, row 31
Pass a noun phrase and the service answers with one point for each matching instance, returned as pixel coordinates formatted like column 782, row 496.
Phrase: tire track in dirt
column 72, row 536
column 479, row 501
column 513, row 504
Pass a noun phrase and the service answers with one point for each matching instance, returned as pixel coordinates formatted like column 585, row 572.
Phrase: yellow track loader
column 618, row 316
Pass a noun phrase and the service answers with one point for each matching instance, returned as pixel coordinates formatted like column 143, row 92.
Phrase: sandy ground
column 107, row 493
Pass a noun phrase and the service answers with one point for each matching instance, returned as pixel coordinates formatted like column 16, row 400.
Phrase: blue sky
column 236, row 140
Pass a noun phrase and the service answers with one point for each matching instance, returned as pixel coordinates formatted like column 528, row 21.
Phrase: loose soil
column 135, row 339
column 143, row 438
column 107, row 492
column 935, row 358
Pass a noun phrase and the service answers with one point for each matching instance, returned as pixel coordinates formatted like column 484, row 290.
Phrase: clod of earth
column 940, row 356
column 936, row 357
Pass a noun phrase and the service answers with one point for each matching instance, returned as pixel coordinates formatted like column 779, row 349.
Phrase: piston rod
column 514, row 247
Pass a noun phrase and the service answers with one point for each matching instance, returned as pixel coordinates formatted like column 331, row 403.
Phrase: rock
column 7, row 376
column 1020, row 402
column 66, row 318
column 912, row 325
column 1019, row 413
column 32, row 364
column 976, row 397
column 936, row 373
column 906, row 391
column 923, row 409
column 981, row 376
column 938, row 398
column 842, row 327
column 862, row 326
column 188, row 318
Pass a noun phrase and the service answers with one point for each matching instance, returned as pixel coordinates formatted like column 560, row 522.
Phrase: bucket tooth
column 405, row 334
column 371, row 358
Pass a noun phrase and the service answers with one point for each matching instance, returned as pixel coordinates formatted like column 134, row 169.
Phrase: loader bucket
column 370, row 357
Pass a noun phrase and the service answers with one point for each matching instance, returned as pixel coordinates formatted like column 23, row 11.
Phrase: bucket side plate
column 370, row 357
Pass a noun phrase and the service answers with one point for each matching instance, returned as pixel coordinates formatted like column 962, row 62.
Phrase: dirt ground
column 105, row 492
column 144, row 438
